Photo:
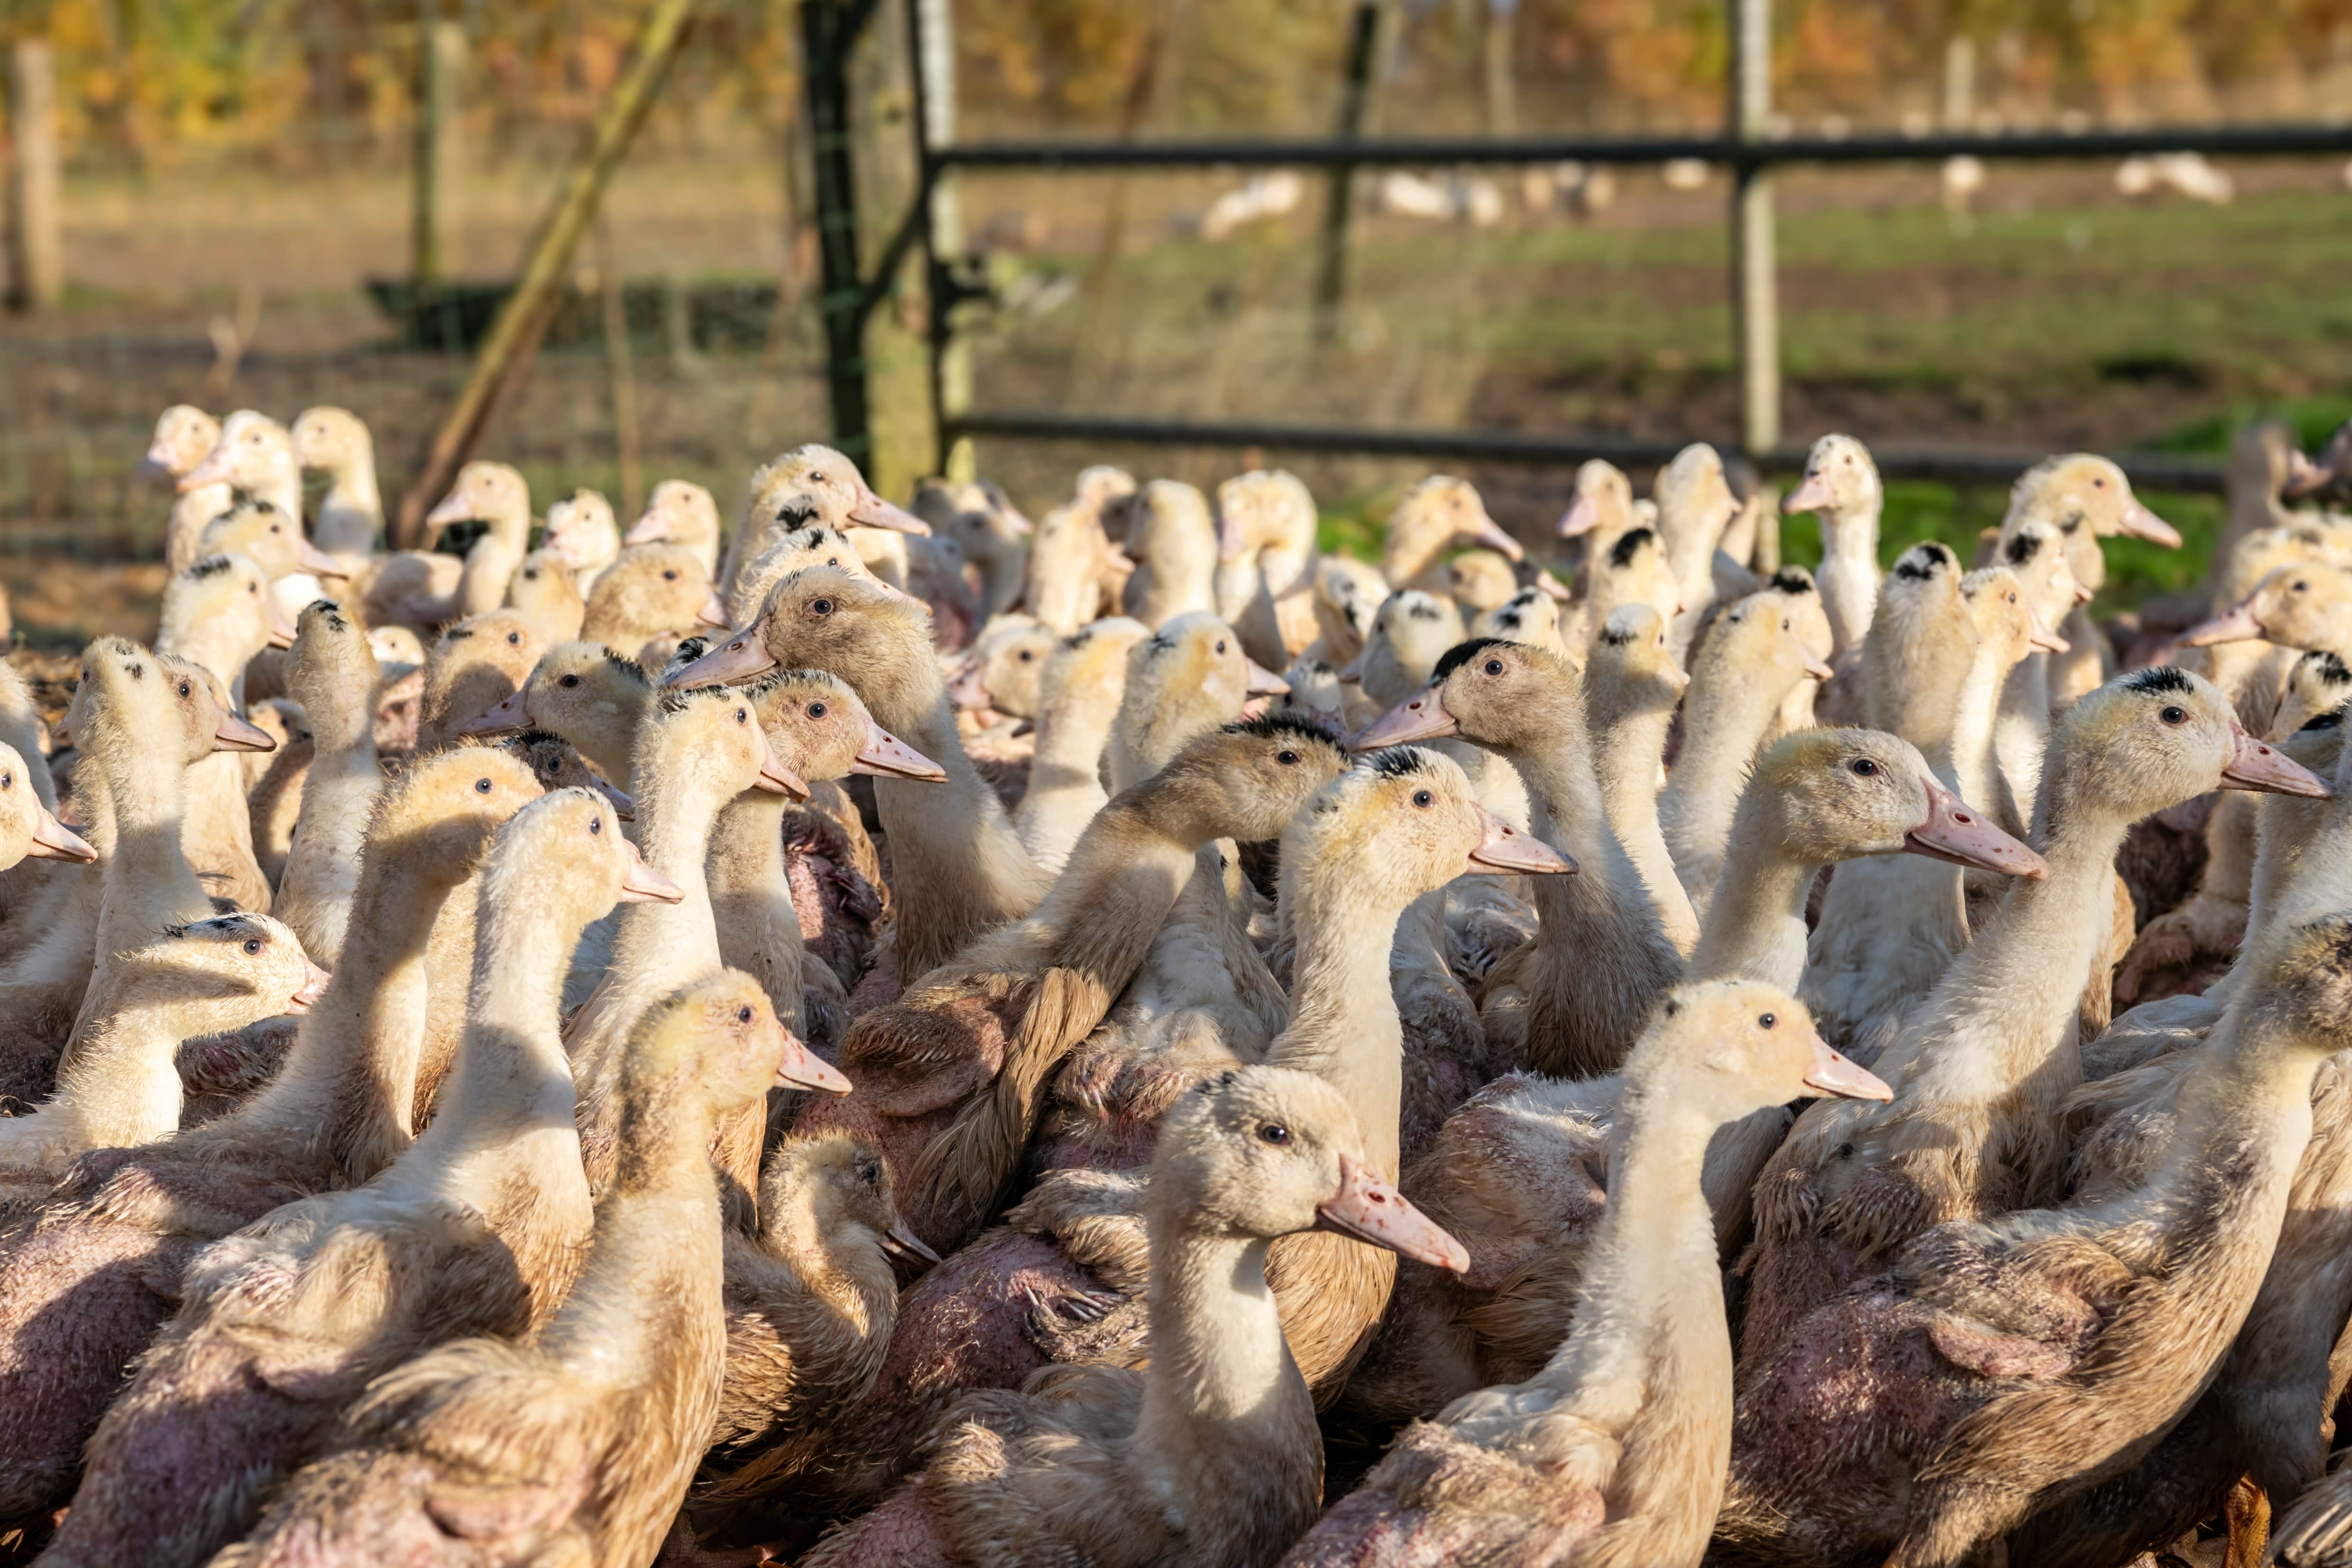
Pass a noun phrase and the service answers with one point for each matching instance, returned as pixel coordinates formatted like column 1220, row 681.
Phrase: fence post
column 440, row 55
column 1756, row 307
column 933, row 25
column 1355, row 95
column 36, row 255
column 829, row 30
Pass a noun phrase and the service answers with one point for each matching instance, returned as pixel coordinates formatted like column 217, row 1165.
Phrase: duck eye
column 741, row 718
column 1026, row 654
column 2301, row 585
column 1285, row 757
column 1863, row 767
column 2175, row 715
column 1493, row 666
column 481, row 785
column 1784, row 623
column 1273, row 1133
column 817, row 479
column 669, row 576
column 816, row 710
column 569, row 681
column 514, row 639
column 743, row 1014
column 820, row 606
column 1424, row 798
column 1766, row 1021
column 184, row 688
column 2098, row 484
column 1221, row 644
column 596, row 824
column 253, row 944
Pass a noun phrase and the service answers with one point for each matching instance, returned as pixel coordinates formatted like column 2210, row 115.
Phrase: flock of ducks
column 915, row 1037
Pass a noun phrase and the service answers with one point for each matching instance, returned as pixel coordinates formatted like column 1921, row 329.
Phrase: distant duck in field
column 185, row 436
column 582, row 529
column 1438, row 514
column 336, row 442
column 680, row 512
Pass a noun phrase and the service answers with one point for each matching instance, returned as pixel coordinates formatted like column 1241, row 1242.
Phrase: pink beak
column 1834, row 1075
column 2259, row 766
column 1955, row 832
column 624, row 805
column 281, row 632
column 884, row 754
column 318, row 562
column 901, row 1241
column 1417, row 718
column 1373, row 1212
column 1263, row 682
column 2237, row 626
column 1233, row 543
column 53, row 841
column 651, row 528
column 2303, row 476
column 1018, row 518
column 457, row 506
column 712, row 614
column 314, row 985
column 1552, row 586
column 739, row 658
column 968, row 690
column 776, row 778
column 2142, row 524
column 1816, row 668
column 1505, row 848
column 872, row 511
column 504, row 719
column 213, row 470
column 1488, row 532
column 2046, row 640
column 1352, row 673
column 1581, row 518
column 1811, row 494
column 643, row 884
column 233, row 734
column 2083, row 595
column 805, row 1068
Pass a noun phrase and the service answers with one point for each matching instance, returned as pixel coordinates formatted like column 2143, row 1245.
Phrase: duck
column 1267, row 559
column 650, row 592
column 424, row 588
column 1409, row 632
column 265, row 533
column 1003, row 669
column 1478, row 580
column 1218, row 1434
column 255, row 456
column 475, row 664
column 1435, row 516
column 122, row 1088
column 185, row 436
column 119, row 1232
column 1173, row 542
column 680, row 512
column 788, row 550
column 577, row 1440
column 1076, row 574
column 993, row 533
column 1752, row 658
column 335, row 678
column 1794, row 587
column 582, row 529
column 817, row 730
column 1631, row 688
column 2087, row 499
column 1079, row 694
column 1841, row 486
column 2306, row 607
column 1600, row 508
column 1613, row 1452
column 1695, row 506
column 218, row 614
column 1981, row 1063
column 476, row 1227
column 2036, row 551
column 591, row 696
column 547, row 592
column 961, row 869
column 1530, row 615
column 28, row 826
column 1188, row 677
column 1995, row 1368
column 336, row 443
column 810, row 484
column 1635, row 570
column 1347, row 599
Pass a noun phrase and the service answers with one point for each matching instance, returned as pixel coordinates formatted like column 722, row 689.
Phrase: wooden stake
column 36, row 266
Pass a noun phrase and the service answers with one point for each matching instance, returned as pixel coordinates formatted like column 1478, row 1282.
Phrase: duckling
column 652, row 589
column 475, row 1227
column 1410, row 635
column 335, row 678
column 272, row 539
column 1981, row 1064
column 1076, row 574
column 475, row 665
column 1695, row 507
column 582, row 529
column 1221, row 1429
column 1004, row 669
column 1631, row 690
column 602, row 1411
column 2035, row 550
column 1079, row 692
column 336, row 442
column 1841, row 484
column 680, row 512
column 1794, row 586
column 423, row 589
column 185, row 436
column 1479, row 580
column 1435, row 516
column 1173, row 543
column 83, row 1292
column 2087, row 499
column 591, row 696
column 1348, row 597
column 122, row 1088
column 816, row 480
column 1613, row 1452
column 218, row 614
column 1530, row 616
column 788, row 550
column 992, row 532
column 28, row 828
column 548, row 594
column 255, row 456
column 1266, row 564
column 961, row 870
column 1999, row 1367
column 1752, row 658
column 2304, row 607
column 1188, row 677
column 1635, row 570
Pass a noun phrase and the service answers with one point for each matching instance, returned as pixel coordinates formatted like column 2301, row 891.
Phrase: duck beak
column 1264, row 683
column 1352, row 674
column 1816, row 668
column 314, row 985
column 2237, row 626
column 281, row 631
column 712, row 614
column 2139, row 523
column 885, row 755
column 901, row 1242
column 1231, row 542
column 1833, row 1075
column 1369, row 1209
column 1956, row 833
column 1504, row 848
column 2046, row 640
column 2083, row 595
column 233, row 734
column 1811, row 494
column 805, row 1068
column 871, row 511
column 1488, row 532
column 504, row 719
column 318, row 562
column 1552, row 586
column 2303, row 476
column 651, row 528
column 1017, row 518
column 624, row 805
column 1417, row 718
column 968, row 690
column 160, row 455
column 213, row 470
column 1581, row 518
column 2263, row 767
column 455, row 507
column 740, row 657
column 643, row 884
column 776, row 778
column 53, row 841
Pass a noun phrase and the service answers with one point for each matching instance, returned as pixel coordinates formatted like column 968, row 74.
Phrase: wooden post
column 37, row 269
column 506, row 355
column 1754, row 285
column 440, row 56
column 1501, row 91
column 1355, row 93
column 620, row 364
column 933, row 22
column 829, row 30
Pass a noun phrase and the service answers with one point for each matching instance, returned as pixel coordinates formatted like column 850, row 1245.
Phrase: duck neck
column 1755, row 926
column 1654, row 1260
column 1555, row 758
column 1071, row 735
column 353, row 510
column 1849, row 576
column 1629, row 747
column 2021, row 727
column 121, row 1087
column 222, row 644
column 676, row 809
column 1219, row 1362
column 1723, row 723
column 1966, row 761
column 1344, row 1026
column 953, row 843
column 146, row 877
